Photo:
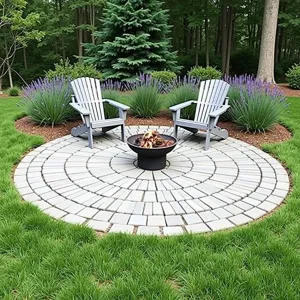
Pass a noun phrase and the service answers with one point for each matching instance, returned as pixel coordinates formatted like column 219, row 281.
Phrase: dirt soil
column 278, row 134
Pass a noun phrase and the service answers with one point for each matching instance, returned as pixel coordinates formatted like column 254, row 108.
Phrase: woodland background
column 219, row 33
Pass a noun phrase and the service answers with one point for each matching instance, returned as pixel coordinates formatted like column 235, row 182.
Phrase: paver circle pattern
column 231, row 184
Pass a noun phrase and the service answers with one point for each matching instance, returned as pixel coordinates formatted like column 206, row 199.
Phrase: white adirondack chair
column 87, row 100
column 211, row 103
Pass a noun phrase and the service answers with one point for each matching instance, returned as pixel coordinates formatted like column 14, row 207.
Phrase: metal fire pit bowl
column 151, row 158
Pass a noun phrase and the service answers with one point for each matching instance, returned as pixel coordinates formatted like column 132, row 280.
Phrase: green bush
column 146, row 102
column 164, row 76
column 47, row 101
column 205, row 73
column 14, row 91
column 66, row 69
column 293, row 77
column 182, row 94
column 110, row 111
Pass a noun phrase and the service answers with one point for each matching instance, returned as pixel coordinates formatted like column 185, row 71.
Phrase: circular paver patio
column 232, row 183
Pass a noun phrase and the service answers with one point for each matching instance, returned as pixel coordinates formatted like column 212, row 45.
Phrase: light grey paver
column 103, row 215
column 172, row 230
column 219, row 224
column 148, row 230
column 98, row 225
column 240, row 219
column 119, row 218
column 73, row 219
column 156, row 221
column 255, row 213
column 120, row 228
column 174, row 220
column 138, row 220
column 192, row 219
column 197, row 228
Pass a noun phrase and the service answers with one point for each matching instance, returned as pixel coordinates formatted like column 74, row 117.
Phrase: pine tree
column 134, row 39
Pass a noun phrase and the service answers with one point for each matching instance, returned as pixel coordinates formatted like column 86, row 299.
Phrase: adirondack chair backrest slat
column 87, row 92
column 211, row 97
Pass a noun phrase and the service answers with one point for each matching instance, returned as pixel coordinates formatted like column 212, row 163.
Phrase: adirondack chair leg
column 175, row 131
column 207, row 140
column 90, row 137
column 123, row 132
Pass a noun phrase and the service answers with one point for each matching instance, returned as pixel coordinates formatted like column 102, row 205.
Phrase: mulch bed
column 288, row 91
column 278, row 134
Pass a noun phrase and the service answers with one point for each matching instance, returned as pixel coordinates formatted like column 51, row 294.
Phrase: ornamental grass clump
column 146, row 102
column 110, row 111
column 47, row 101
column 254, row 105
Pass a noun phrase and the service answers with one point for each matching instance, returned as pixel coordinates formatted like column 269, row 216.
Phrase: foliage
column 164, row 76
column 16, row 30
column 146, row 102
column 244, row 59
column 254, row 106
column 293, row 76
column 205, row 73
column 133, row 39
column 14, row 91
column 110, row 111
column 47, row 101
column 182, row 94
column 66, row 69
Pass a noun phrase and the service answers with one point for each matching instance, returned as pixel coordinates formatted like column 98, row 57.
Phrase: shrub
column 66, row 69
column 205, row 73
column 14, row 91
column 164, row 76
column 255, row 106
column 110, row 111
column 293, row 76
column 146, row 101
column 47, row 101
column 182, row 94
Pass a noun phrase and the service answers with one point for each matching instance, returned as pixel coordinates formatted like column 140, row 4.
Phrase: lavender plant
column 47, row 101
column 255, row 106
column 146, row 102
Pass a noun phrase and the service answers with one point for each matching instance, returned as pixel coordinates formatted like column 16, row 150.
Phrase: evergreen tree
column 134, row 39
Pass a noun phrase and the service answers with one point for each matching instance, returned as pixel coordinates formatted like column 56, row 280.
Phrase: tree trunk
column 224, row 37
column 206, row 43
column 267, row 48
column 79, row 22
column 229, row 41
column 11, row 84
column 186, row 34
column 25, row 58
column 197, row 46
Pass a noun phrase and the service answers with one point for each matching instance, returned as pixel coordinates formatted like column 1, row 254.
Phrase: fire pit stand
column 151, row 158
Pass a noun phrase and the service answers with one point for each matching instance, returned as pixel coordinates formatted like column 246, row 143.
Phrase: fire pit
column 152, row 149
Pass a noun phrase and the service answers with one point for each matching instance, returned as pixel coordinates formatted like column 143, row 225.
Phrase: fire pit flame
column 152, row 139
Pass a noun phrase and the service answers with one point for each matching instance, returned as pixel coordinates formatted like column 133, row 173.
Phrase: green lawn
column 45, row 259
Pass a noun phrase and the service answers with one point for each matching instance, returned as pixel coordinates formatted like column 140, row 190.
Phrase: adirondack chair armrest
column 80, row 109
column 182, row 105
column 116, row 104
column 219, row 111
